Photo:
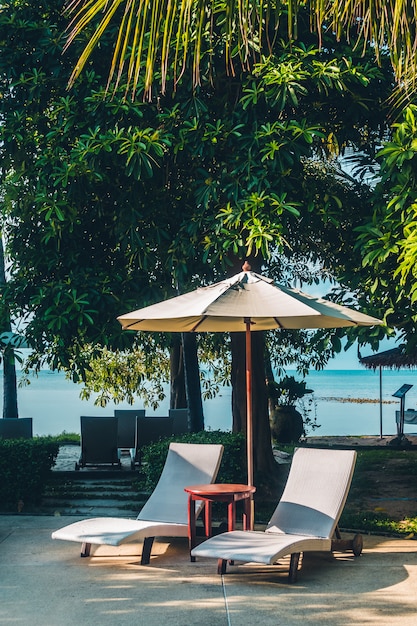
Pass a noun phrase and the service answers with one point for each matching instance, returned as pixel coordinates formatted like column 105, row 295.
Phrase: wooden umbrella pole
column 249, row 423
column 249, row 426
column 380, row 403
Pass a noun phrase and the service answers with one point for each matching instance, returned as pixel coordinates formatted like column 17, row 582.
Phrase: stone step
column 68, row 493
column 107, row 491
column 93, row 508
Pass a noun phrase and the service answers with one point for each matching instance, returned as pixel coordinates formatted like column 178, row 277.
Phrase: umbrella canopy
column 226, row 305
column 245, row 302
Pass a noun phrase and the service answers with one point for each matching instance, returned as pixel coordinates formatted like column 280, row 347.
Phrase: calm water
column 55, row 406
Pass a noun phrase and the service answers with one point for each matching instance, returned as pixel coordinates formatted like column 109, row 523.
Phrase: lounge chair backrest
column 98, row 439
column 151, row 429
column 180, row 421
column 186, row 464
column 126, row 427
column 16, row 428
column 315, row 492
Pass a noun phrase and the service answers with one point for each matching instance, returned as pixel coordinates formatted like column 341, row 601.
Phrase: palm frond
column 168, row 33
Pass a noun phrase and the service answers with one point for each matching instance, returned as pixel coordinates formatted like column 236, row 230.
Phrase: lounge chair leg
column 85, row 549
column 292, row 575
column 146, row 550
column 355, row 544
column 221, row 566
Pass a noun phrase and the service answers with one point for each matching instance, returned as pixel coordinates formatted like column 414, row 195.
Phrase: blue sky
column 349, row 360
column 345, row 360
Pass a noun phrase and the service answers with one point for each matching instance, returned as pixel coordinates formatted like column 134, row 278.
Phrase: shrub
column 25, row 465
column 67, row 438
column 232, row 468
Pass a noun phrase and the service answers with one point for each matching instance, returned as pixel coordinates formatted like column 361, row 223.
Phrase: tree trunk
column 185, row 379
column 178, row 398
column 192, row 382
column 9, row 365
column 263, row 458
column 9, row 384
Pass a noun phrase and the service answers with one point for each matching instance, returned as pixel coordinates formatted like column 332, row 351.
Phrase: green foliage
column 287, row 391
column 379, row 462
column 67, row 438
column 387, row 241
column 130, row 201
column 232, row 468
column 378, row 523
column 123, row 376
column 25, row 466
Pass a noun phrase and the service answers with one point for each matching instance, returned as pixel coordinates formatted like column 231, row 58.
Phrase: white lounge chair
column 164, row 514
column 304, row 520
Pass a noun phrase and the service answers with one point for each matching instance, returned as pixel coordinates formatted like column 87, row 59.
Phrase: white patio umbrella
column 245, row 302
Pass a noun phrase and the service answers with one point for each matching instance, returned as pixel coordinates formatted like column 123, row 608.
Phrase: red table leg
column 228, row 494
column 207, row 517
column 247, row 514
column 231, row 515
column 191, row 526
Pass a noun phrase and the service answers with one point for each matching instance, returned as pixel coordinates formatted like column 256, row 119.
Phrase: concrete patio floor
column 45, row 582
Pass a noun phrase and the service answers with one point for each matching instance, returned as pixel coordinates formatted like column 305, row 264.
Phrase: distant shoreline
column 358, row 400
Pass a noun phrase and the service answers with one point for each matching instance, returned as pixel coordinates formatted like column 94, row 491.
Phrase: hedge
column 25, row 466
column 232, row 468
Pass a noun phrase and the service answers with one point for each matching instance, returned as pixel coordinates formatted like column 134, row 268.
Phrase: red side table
column 229, row 493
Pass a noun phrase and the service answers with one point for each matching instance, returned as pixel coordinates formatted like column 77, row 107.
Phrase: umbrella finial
column 246, row 267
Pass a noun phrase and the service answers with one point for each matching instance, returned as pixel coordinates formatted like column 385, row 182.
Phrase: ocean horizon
column 344, row 402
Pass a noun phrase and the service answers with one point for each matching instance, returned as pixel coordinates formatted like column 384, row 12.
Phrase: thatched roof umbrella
column 396, row 358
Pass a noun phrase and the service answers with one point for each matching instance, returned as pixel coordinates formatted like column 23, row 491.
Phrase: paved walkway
column 46, row 583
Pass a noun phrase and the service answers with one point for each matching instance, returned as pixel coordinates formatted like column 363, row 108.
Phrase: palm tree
column 154, row 35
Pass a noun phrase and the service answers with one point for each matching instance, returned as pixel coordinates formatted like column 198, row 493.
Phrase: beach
column 344, row 403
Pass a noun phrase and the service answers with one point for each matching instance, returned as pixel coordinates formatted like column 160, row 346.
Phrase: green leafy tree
column 387, row 240
column 112, row 204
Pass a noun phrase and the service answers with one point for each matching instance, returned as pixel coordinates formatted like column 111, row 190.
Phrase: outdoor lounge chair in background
column 304, row 520
column 16, row 428
column 98, row 441
column 179, row 421
column 151, row 429
column 165, row 514
column 127, row 432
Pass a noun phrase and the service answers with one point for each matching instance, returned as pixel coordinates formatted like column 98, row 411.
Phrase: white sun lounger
column 304, row 520
column 164, row 514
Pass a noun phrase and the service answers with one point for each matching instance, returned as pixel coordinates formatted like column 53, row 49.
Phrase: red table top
column 219, row 489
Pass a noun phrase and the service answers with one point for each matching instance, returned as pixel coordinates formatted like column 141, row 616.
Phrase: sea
column 343, row 403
